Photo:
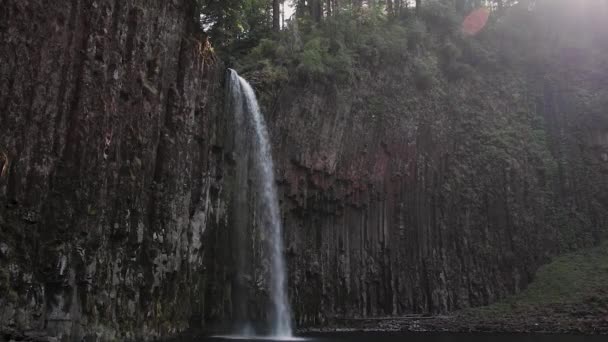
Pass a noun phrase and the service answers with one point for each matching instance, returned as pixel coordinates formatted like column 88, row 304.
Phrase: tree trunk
column 276, row 15
column 300, row 8
column 460, row 6
column 418, row 5
column 316, row 10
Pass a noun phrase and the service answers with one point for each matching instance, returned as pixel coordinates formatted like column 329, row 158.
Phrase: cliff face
column 110, row 132
column 403, row 199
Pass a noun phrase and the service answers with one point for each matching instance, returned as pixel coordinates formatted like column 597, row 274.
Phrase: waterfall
column 246, row 111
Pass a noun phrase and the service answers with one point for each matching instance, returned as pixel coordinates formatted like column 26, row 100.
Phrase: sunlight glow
column 289, row 9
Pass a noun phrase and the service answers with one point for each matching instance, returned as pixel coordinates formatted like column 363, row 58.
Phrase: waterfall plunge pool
column 422, row 337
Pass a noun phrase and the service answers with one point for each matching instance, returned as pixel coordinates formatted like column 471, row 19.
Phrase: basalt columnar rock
column 400, row 198
column 112, row 167
column 425, row 206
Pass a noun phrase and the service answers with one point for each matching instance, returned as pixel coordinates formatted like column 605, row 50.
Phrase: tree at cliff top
column 237, row 26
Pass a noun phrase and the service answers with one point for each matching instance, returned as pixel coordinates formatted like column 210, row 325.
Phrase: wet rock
column 98, row 101
column 4, row 250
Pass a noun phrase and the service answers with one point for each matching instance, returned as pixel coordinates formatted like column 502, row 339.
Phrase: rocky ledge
column 568, row 319
column 568, row 296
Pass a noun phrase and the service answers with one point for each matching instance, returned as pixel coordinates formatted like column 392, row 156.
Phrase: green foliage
column 450, row 57
column 312, row 59
column 334, row 50
column 424, row 73
column 324, row 59
column 455, row 71
column 477, row 54
column 417, row 33
column 570, row 279
column 234, row 25
column 449, row 52
column 441, row 16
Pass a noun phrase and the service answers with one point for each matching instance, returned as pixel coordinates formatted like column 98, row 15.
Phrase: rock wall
column 410, row 193
column 399, row 199
column 112, row 165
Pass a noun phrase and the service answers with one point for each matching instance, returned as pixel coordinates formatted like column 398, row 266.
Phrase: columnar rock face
column 402, row 200
column 111, row 159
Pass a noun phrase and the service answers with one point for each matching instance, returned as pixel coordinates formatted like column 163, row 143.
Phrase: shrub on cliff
column 424, row 73
column 334, row 50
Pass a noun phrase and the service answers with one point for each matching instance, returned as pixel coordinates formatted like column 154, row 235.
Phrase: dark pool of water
column 431, row 337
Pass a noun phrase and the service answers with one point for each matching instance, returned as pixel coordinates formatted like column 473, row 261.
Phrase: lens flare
column 475, row 21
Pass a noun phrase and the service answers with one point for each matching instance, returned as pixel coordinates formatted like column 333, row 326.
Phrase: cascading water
column 243, row 103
